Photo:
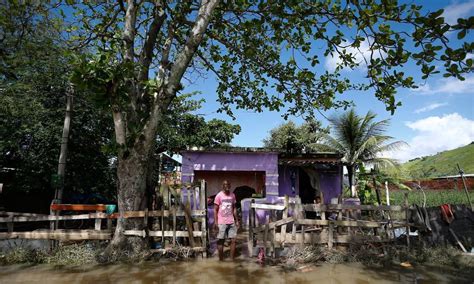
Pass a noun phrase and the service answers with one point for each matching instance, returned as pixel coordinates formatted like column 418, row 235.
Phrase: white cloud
column 448, row 86
column 458, row 10
column 436, row 134
column 430, row 107
column 364, row 51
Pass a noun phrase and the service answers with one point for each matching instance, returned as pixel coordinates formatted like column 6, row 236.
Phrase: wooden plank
column 272, row 243
column 63, row 235
column 98, row 223
column 318, row 239
column 20, row 214
column 333, row 207
column 251, row 227
column 165, row 250
column 285, row 216
column 406, row 219
column 337, row 239
column 330, row 236
column 163, row 224
column 361, row 223
column 198, row 241
column 293, row 232
column 189, row 225
column 275, row 224
column 457, row 240
column 265, row 237
column 174, row 224
column 158, row 213
column 169, row 234
column 10, row 226
column 302, row 236
column 109, row 224
column 100, row 215
column 348, row 215
column 203, row 206
column 339, row 218
column 299, row 211
column 138, row 233
column 268, row 206
column 78, row 207
column 188, row 195
column 165, row 234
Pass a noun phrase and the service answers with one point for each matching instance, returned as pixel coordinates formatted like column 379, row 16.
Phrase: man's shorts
column 227, row 231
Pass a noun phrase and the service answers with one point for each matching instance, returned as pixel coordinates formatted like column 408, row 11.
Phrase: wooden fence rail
column 332, row 224
column 162, row 223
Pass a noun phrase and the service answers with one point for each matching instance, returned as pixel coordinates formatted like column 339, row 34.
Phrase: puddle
column 213, row 271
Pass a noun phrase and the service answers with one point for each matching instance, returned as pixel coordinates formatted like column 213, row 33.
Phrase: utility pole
column 58, row 196
column 461, row 172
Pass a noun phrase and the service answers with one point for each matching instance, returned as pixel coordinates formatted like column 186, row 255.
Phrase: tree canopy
column 297, row 139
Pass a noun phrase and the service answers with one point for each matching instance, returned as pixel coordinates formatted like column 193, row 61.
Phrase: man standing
column 225, row 215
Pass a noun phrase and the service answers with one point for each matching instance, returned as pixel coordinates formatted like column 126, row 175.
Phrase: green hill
column 441, row 164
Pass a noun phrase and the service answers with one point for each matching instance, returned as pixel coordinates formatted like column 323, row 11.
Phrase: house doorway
column 306, row 190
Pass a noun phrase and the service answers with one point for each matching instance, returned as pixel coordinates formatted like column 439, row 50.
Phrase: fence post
column 98, row 222
column 203, row 206
column 10, row 224
column 285, row 215
column 406, row 220
column 251, row 225
column 330, row 234
column 174, row 224
column 302, row 236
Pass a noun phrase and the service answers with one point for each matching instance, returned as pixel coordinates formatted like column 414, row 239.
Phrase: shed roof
column 309, row 159
column 284, row 158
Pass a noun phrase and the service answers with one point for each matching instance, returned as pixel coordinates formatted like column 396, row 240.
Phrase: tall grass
column 433, row 197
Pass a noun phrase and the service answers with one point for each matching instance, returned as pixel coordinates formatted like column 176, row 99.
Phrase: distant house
column 265, row 173
column 169, row 169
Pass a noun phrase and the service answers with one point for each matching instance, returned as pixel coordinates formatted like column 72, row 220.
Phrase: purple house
column 265, row 173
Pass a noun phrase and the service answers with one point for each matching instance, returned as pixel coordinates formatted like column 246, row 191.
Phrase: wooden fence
column 331, row 224
column 181, row 215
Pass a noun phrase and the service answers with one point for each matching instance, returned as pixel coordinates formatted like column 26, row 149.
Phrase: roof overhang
column 311, row 159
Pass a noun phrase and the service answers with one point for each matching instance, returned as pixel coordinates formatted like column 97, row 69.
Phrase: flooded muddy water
column 213, row 271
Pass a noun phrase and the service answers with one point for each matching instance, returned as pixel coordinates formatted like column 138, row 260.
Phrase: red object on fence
column 78, row 207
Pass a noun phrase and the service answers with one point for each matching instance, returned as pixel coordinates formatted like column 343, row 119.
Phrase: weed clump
column 70, row 255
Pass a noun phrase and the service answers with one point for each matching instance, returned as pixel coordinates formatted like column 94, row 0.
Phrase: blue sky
column 436, row 117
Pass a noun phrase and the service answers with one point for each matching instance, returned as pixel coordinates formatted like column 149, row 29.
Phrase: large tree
column 35, row 69
column 261, row 52
column 297, row 139
column 360, row 139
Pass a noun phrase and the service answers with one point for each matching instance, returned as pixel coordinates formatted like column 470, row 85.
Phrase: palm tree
column 360, row 140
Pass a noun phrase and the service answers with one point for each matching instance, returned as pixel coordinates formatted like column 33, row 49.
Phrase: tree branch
column 146, row 55
column 129, row 30
column 192, row 43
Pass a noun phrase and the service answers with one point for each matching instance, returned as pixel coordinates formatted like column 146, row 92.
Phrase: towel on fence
column 447, row 213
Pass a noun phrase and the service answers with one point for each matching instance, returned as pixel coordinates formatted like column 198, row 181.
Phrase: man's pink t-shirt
column 226, row 205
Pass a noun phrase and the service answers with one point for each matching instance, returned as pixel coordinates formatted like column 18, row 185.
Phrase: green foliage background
column 441, row 164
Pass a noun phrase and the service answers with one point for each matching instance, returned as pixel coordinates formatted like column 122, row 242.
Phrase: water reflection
column 213, row 271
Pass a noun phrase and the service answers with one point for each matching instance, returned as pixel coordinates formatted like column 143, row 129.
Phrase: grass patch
column 68, row 255
column 433, row 197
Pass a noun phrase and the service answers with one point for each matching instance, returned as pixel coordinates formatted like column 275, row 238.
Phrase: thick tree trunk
column 132, row 176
